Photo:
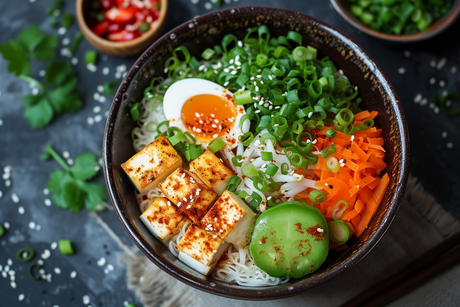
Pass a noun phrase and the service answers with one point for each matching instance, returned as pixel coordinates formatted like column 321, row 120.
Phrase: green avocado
column 290, row 240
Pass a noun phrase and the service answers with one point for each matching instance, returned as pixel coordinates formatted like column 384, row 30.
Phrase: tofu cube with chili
column 230, row 219
column 212, row 171
column 152, row 164
column 188, row 193
column 200, row 249
column 163, row 219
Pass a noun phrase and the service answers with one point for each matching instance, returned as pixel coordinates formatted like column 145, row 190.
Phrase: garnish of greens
column 399, row 16
column 58, row 93
column 445, row 103
column 70, row 187
column 56, row 11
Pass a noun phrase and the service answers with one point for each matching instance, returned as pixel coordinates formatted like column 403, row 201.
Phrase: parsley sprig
column 58, row 94
column 69, row 187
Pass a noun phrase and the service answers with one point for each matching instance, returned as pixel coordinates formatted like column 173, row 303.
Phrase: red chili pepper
column 124, row 36
column 124, row 15
column 101, row 28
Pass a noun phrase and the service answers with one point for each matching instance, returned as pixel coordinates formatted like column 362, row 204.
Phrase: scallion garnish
column 233, row 183
column 65, row 246
column 330, row 133
column 328, row 151
column 135, row 111
column 31, row 271
column 317, row 197
column 271, row 169
column 90, row 57
column 216, row 145
column 25, row 254
column 266, row 156
column 249, row 170
column 339, row 232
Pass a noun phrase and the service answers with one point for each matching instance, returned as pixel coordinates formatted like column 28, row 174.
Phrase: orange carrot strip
column 374, row 183
column 359, row 205
column 366, row 194
column 379, row 164
column 362, row 115
column 326, row 174
column 373, row 114
column 366, row 218
column 355, row 221
column 366, row 146
column 379, row 191
column 353, row 166
column 350, row 215
column 365, row 165
column 376, row 141
column 358, row 151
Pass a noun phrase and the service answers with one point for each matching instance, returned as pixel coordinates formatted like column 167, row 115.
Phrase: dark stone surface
column 21, row 147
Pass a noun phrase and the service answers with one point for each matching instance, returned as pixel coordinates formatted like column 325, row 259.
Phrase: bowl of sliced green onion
column 273, row 115
column 399, row 20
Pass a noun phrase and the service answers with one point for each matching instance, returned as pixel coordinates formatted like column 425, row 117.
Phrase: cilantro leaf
column 66, row 98
column 44, row 51
column 74, row 196
column 70, row 189
column 39, row 114
column 31, row 100
column 85, row 166
column 13, row 52
column 58, row 72
column 95, row 195
column 30, row 38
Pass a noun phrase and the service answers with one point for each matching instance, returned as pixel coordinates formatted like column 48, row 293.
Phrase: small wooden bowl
column 343, row 8
column 133, row 47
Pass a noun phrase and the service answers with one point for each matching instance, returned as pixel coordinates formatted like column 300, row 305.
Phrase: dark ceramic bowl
column 343, row 8
column 206, row 31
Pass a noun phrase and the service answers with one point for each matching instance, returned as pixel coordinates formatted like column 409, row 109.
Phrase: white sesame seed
column 69, row 161
column 110, row 267
column 450, row 145
column 319, row 229
column 86, row 299
column 442, row 83
column 7, row 183
column 21, row 210
column 432, row 81
column 74, row 61
column 208, row 5
column 444, row 134
column 179, row 203
column 62, row 31
column 13, row 285
column 90, row 121
column 402, row 71
column 352, row 138
column 14, row 198
column 453, row 69
column 57, row 270
column 407, row 53
column 310, row 114
column 32, row 225
column 21, row 297
column 47, row 202
column 105, row 71
column 442, row 62
column 73, row 274
column 6, row 225
column 101, row 262
column 212, row 115
column 418, row 98
column 433, row 62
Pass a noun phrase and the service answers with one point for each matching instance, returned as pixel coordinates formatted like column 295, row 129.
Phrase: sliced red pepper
column 101, row 28
column 124, row 15
column 115, row 27
column 124, row 36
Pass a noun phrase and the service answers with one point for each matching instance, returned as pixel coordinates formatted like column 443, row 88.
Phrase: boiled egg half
column 204, row 109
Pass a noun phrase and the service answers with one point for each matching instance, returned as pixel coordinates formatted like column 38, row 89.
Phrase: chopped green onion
column 67, row 20
column 271, row 169
column 267, row 136
column 193, row 152
column 249, row 170
column 90, row 57
column 216, row 145
column 332, row 165
column 31, row 271
column 328, row 151
column 110, row 87
column 317, row 197
column 236, row 160
column 330, row 133
column 300, row 54
column 233, row 183
column 2, row 231
column 244, row 97
column 208, row 53
column 256, row 183
column 174, row 139
column 65, row 246
column 284, row 168
column 149, row 126
column 339, row 232
column 266, row 155
column 339, row 209
column 135, row 111
column 246, row 138
column 366, row 124
column 294, row 36
column 261, row 59
column 25, row 254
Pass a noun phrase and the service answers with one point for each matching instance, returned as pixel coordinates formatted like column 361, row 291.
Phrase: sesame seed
column 418, row 98
column 86, row 299
column 105, row 71
column 101, row 262
column 183, row 175
column 310, row 114
column 407, row 53
column 57, row 270
column 442, row 83
column 319, row 229
column 47, row 202
column 402, row 71
column 178, row 204
column 185, row 199
column 14, row 198
column 352, row 138
column 450, row 145
column 214, row 236
column 444, row 134
column 212, row 115
column 432, row 81
column 73, row 274
column 270, row 77
column 214, row 251
column 21, row 297
column 188, row 207
column 21, row 210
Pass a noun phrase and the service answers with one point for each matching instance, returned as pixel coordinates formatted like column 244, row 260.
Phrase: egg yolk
column 208, row 116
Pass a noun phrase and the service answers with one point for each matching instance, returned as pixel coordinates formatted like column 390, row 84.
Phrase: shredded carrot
column 358, row 182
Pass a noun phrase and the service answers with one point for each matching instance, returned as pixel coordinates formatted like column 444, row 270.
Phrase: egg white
column 179, row 92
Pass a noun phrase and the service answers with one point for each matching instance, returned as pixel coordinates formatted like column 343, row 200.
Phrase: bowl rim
column 280, row 291
column 124, row 44
column 436, row 28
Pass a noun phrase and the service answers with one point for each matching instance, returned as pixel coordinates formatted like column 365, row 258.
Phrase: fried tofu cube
column 188, row 193
column 212, row 171
column 152, row 164
column 163, row 219
column 200, row 249
column 230, row 219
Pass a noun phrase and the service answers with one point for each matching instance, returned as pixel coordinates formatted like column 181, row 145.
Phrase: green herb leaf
column 13, row 52
column 30, row 38
column 74, row 196
column 45, row 49
column 58, row 72
column 85, row 166
column 66, row 98
column 39, row 113
column 95, row 195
